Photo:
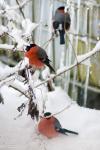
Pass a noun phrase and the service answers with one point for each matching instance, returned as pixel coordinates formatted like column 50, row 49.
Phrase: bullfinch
column 61, row 22
column 50, row 127
column 37, row 57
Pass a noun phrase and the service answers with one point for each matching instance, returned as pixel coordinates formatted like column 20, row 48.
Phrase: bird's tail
column 51, row 68
column 62, row 40
column 64, row 131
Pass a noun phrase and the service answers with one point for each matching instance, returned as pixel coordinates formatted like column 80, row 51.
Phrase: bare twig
column 17, row 89
column 20, row 8
column 48, row 41
column 73, row 49
column 7, row 80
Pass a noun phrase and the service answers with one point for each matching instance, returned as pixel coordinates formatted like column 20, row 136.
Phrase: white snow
column 6, row 71
column 6, row 46
column 84, row 58
column 20, row 31
column 22, row 134
column 28, row 27
column 3, row 29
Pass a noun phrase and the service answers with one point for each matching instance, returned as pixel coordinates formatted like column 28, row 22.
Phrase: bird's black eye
column 55, row 24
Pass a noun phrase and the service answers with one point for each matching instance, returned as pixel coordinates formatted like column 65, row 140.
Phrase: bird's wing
column 44, row 58
column 57, row 124
column 42, row 54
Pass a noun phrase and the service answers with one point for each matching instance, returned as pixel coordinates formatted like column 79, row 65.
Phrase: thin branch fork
column 20, row 8
column 15, row 7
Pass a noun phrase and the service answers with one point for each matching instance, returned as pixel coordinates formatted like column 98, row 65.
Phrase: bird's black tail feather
column 50, row 67
column 47, row 62
column 64, row 131
column 62, row 39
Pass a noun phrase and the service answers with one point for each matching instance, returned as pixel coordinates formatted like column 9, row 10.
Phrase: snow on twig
column 8, row 47
column 15, row 7
column 28, row 27
column 9, row 71
column 7, row 81
column 89, row 54
column 17, row 35
column 3, row 30
column 80, row 59
column 20, row 36
column 20, row 87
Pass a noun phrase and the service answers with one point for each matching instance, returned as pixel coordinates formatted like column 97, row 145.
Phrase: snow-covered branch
column 9, row 71
column 3, row 30
column 28, row 27
column 7, row 80
column 80, row 58
column 8, row 47
column 21, row 36
column 13, row 7
column 21, row 5
column 20, row 87
column 83, row 57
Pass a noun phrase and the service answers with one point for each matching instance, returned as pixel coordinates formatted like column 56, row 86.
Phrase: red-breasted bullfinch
column 50, row 127
column 61, row 22
column 37, row 57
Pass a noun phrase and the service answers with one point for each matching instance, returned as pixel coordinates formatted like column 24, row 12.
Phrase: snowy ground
column 21, row 134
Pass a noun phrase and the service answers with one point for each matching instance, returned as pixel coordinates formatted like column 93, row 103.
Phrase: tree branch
column 9, row 71
column 8, row 47
column 21, row 5
column 20, row 8
column 19, row 90
column 80, row 59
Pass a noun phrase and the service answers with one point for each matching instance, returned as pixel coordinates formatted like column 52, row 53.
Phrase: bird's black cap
column 61, row 8
column 30, row 46
column 47, row 115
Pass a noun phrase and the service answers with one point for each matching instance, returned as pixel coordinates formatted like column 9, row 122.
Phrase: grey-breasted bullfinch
column 61, row 22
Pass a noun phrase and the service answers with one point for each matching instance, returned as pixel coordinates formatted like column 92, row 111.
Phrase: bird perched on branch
column 37, row 57
column 61, row 22
column 50, row 127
